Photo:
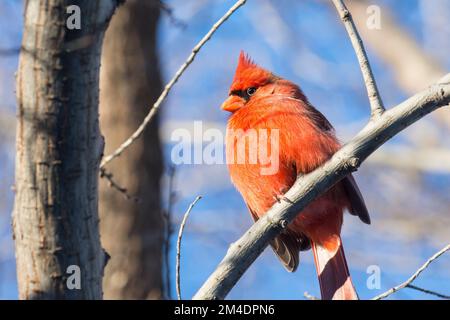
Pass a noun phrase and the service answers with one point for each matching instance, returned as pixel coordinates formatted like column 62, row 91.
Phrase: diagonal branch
column 244, row 251
column 414, row 276
column 169, row 85
column 376, row 105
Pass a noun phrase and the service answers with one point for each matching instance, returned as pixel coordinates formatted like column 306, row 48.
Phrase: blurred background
column 406, row 184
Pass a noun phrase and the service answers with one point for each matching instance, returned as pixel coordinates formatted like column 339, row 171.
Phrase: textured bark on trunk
column 132, row 232
column 59, row 146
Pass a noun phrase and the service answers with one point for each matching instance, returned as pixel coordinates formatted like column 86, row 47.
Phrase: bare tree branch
column 433, row 293
column 170, row 84
column 180, row 236
column 376, row 104
column 7, row 52
column 113, row 184
column 244, row 251
column 414, row 276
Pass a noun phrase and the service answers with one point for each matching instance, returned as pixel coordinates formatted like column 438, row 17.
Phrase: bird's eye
column 251, row 91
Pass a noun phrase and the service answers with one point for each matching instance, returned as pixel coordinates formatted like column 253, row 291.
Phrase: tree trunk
column 59, row 147
column 132, row 232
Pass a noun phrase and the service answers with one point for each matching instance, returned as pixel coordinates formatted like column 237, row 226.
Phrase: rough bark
column 132, row 232
column 59, row 147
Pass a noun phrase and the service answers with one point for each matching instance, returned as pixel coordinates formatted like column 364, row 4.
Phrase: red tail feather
column 332, row 270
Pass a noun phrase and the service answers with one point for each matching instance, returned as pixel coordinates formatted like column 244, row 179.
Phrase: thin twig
column 309, row 297
column 243, row 252
column 376, row 104
column 113, row 184
column 170, row 84
column 434, row 293
column 180, row 236
column 169, row 229
column 414, row 276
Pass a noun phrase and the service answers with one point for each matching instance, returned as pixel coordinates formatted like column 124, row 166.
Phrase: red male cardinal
column 260, row 100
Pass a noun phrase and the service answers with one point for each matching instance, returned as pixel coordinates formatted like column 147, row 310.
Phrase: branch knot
column 352, row 163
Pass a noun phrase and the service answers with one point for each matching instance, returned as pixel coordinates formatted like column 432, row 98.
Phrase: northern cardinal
column 260, row 100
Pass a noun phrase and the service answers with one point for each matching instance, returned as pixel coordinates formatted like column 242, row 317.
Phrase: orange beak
column 232, row 104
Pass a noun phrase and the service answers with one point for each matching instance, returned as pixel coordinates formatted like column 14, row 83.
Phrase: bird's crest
column 249, row 74
column 245, row 63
